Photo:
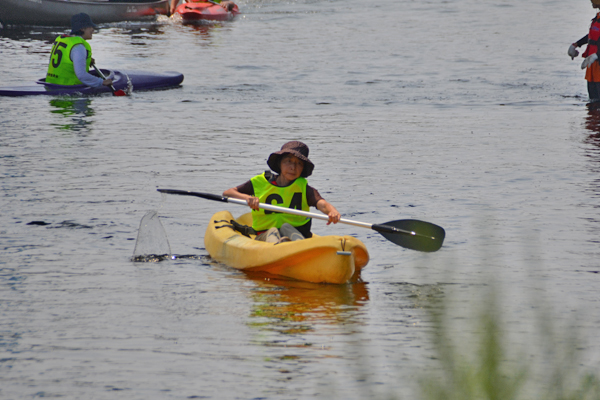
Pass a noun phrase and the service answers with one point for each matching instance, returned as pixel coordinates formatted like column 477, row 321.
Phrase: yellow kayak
column 320, row 259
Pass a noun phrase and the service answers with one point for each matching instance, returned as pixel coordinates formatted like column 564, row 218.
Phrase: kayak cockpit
column 53, row 86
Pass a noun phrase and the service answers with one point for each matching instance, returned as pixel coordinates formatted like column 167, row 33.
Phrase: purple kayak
column 122, row 80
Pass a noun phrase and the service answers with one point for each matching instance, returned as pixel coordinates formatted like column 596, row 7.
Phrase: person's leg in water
column 292, row 233
column 594, row 91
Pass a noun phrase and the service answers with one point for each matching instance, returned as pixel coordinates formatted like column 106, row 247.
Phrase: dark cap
column 80, row 22
column 294, row 148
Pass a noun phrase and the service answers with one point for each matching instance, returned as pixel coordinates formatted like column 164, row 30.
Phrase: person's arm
column 79, row 56
column 227, row 5
column 314, row 199
column 244, row 192
column 328, row 209
column 174, row 6
column 573, row 52
column 581, row 41
column 590, row 59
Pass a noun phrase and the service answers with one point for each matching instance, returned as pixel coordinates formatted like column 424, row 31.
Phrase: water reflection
column 592, row 121
column 141, row 30
column 27, row 34
column 141, row 35
column 147, row 36
column 291, row 307
column 592, row 124
column 76, row 111
column 202, row 30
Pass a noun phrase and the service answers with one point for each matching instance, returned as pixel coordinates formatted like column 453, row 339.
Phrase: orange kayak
column 205, row 11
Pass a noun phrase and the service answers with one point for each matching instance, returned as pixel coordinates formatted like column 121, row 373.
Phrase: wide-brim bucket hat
column 80, row 22
column 294, row 148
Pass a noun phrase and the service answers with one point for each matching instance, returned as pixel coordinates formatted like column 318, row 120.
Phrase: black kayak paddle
column 409, row 233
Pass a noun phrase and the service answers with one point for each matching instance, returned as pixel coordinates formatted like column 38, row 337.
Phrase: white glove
column 573, row 51
column 589, row 61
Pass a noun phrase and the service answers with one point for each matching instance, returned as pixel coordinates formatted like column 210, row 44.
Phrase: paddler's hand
column 589, row 60
column 92, row 62
column 227, row 5
column 326, row 208
column 334, row 217
column 573, row 51
column 107, row 82
column 253, row 202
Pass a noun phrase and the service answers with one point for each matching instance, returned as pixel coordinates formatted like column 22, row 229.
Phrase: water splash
column 129, row 88
column 152, row 243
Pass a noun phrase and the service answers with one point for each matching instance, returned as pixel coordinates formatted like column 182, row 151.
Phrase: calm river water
column 467, row 114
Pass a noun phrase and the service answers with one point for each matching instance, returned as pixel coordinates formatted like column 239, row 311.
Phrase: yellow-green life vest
column 292, row 196
column 60, row 69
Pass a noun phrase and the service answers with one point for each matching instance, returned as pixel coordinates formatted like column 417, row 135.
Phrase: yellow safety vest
column 60, row 69
column 292, row 196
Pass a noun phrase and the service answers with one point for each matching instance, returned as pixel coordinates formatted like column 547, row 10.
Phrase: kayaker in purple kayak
column 288, row 189
column 71, row 56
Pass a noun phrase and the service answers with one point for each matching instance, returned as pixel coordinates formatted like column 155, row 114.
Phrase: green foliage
column 484, row 370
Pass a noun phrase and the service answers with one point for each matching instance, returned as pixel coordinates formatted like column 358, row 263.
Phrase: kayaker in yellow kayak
column 71, row 56
column 288, row 189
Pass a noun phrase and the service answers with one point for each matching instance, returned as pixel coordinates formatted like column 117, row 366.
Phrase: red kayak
column 194, row 11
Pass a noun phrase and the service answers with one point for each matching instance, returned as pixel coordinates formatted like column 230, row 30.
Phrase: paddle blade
column 207, row 196
column 119, row 93
column 427, row 237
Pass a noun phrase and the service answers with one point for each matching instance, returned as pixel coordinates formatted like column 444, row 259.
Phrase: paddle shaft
column 377, row 227
column 307, row 214
column 115, row 91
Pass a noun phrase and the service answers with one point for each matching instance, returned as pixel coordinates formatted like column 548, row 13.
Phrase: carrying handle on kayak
column 409, row 233
column 115, row 91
